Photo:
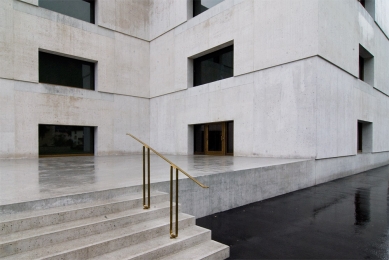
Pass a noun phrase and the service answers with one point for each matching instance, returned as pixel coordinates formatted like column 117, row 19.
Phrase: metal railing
column 172, row 166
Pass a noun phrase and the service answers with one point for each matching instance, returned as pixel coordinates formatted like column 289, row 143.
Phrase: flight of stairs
column 110, row 228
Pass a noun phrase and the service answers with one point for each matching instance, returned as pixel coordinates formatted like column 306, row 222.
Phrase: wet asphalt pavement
column 342, row 219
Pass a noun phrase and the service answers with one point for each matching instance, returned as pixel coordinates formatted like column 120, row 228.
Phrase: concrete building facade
column 296, row 89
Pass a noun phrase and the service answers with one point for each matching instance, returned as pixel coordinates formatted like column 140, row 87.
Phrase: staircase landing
column 35, row 179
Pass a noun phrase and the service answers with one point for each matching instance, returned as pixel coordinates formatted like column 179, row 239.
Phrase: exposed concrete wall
column 335, row 168
column 337, row 102
column 128, row 17
column 343, row 25
column 304, row 109
column 283, row 102
column 7, row 119
column 6, row 39
column 342, row 100
column 338, row 33
column 166, row 15
column 381, row 61
column 273, row 112
column 26, row 105
column 234, row 189
column 381, row 15
column 264, row 34
column 123, row 61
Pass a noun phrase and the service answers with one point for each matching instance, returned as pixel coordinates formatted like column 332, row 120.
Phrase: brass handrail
column 172, row 166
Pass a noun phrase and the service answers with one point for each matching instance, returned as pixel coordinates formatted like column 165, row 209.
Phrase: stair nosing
column 200, row 232
column 84, row 225
column 62, row 209
column 207, row 254
column 184, row 217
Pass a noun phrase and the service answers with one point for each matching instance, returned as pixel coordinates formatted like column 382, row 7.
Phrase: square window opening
column 200, row 6
column 366, row 66
column 364, row 137
column 64, row 71
column 213, row 66
column 80, row 9
column 66, row 140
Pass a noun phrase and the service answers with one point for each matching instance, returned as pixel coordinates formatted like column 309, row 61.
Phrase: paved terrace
column 33, row 179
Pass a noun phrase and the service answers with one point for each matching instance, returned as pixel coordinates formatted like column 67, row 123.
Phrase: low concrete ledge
column 233, row 189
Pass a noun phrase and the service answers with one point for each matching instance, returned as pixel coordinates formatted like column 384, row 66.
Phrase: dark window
column 366, row 66
column 200, row 6
column 80, row 9
column 59, row 70
column 214, row 66
column 199, row 139
column 214, row 138
column 361, row 68
column 359, row 142
column 66, row 140
column 362, row 2
column 230, row 137
column 364, row 137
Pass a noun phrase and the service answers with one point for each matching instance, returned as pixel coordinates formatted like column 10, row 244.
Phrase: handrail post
column 144, row 177
column 176, row 202
column 173, row 235
column 148, row 173
column 172, row 165
column 146, row 206
column 171, row 202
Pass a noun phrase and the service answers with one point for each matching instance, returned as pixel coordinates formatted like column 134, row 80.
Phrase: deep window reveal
column 79, row 9
column 64, row 71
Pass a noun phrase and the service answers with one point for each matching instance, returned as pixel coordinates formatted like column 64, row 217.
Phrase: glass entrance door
column 215, row 136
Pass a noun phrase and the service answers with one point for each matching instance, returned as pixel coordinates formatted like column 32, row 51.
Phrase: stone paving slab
column 33, row 179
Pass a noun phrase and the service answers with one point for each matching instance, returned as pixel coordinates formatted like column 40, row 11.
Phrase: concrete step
column 65, row 200
column 98, row 244
column 209, row 250
column 160, row 246
column 31, row 219
column 53, row 234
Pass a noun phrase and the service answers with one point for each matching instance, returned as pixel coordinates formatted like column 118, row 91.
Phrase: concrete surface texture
column 53, row 177
column 295, row 91
column 105, row 228
column 234, row 181
column 342, row 219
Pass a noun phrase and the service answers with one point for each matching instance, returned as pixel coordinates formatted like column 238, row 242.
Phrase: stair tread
column 95, row 239
column 199, row 251
column 25, row 234
column 153, row 244
column 4, row 217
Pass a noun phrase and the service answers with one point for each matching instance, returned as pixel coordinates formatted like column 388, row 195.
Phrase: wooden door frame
column 224, row 131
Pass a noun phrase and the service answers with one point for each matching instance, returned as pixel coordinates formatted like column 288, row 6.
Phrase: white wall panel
column 7, row 119
column 338, row 33
column 166, row 15
column 381, row 15
column 6, row 39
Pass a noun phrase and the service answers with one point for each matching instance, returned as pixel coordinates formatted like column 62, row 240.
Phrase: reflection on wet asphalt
column 342, row 219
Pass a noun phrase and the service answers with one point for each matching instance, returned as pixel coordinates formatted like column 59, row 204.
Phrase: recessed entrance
column 214, row 138
column 65, row 140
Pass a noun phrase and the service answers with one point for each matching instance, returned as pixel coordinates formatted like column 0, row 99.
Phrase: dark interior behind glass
column 200, row 6
column 66, row 140
column 214, row 66
column 80, row 9
column 59, row 70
